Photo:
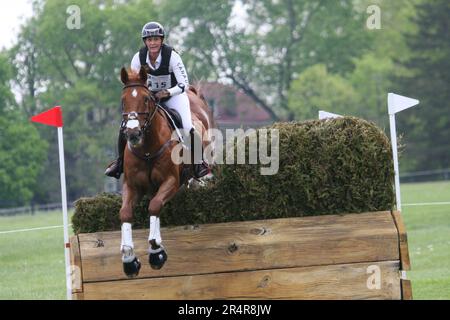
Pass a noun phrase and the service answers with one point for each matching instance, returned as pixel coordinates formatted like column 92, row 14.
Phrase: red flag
column 52, row 117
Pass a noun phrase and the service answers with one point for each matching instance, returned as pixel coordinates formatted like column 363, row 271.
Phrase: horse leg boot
column 131, row 264
column 200, row 167
column 157, row 253
column 115, row 168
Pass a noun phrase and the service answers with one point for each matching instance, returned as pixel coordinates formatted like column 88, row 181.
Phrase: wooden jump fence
column 351, row 256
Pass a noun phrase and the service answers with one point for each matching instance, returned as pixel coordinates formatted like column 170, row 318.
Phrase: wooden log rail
column 351, row 256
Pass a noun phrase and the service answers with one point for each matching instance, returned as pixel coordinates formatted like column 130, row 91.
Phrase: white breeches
column 180, row 103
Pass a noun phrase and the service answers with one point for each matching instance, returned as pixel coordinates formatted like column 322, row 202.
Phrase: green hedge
column 330, row 166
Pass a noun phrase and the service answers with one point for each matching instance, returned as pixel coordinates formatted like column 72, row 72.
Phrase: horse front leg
column 131, row 264
column 157, row 253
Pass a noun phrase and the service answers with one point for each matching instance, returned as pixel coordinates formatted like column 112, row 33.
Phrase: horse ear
column 143, row 74
column 124, row 75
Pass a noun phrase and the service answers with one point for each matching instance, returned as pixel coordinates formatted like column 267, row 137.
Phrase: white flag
column 328, row 115
column 397, row 103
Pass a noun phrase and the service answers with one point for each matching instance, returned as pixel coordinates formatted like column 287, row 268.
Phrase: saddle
column 173, row 117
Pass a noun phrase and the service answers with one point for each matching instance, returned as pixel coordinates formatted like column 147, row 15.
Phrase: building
column 232, row 108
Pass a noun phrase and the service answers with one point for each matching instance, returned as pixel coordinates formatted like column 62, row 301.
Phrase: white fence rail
column 425, row 176
column 32, row 209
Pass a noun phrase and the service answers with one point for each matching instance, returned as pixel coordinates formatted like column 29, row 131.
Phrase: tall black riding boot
column 200, row 167
column 115, row 168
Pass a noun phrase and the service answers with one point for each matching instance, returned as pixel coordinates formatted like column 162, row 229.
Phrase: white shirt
column 175, row 65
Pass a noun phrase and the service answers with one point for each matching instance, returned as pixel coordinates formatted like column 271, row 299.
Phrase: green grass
column 428, row 230
column 32, row 263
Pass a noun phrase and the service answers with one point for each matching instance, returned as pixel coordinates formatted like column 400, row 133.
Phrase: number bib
column 157, row 83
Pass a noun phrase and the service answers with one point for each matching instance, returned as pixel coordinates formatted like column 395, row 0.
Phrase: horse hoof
column 158, row 259
column 132, row 268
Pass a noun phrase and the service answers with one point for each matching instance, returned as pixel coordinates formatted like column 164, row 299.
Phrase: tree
column 6, row 96
column 371, row 81
column 428, row 126
column 315, row 89
column 78, row 69
column 264, row 50
column 22, row 151
column 22, row 157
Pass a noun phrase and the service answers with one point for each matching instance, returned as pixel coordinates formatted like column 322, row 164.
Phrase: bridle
column 149, row 118
column 147, row 157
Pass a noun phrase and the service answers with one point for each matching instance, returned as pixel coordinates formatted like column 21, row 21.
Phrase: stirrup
column 114, row 169
column 201, row 170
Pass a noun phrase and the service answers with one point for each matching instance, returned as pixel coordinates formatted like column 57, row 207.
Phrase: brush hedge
column 332, row 166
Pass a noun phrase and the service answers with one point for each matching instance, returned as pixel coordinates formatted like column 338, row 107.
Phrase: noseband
column 149, row 117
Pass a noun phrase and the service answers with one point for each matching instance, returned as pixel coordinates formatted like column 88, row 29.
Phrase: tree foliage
column 263, row 50
column 6, row 74
column 427, row 127
column 22, row 152
column 22, row 158
column 316, row 89
column 78, row 69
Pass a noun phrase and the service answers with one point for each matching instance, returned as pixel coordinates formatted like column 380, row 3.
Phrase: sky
column 12, row 15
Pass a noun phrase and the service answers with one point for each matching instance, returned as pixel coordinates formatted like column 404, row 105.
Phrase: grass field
column 428, row 230
column 32, row 262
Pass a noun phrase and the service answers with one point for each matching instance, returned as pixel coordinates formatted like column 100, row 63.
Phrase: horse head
column 138, row 105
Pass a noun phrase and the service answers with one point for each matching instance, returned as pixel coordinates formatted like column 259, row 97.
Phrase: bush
column 330, row 166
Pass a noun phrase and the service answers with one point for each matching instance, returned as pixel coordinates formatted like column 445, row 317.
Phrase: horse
column 148, row 165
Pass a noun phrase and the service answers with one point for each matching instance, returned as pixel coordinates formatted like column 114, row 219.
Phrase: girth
column 147, row 157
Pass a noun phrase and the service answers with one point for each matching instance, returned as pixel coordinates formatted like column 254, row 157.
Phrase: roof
column 232, row 106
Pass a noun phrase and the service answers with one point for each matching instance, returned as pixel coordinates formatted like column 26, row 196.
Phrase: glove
column 162, row 94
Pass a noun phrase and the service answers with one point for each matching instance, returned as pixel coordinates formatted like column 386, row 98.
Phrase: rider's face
column 153, row 44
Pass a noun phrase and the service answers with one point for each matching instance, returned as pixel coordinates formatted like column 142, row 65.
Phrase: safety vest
column 159, row 79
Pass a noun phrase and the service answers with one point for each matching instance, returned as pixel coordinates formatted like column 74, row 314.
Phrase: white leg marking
column 155, row 234
column 153, row 228
column 158, row 232
column 126, row 246
column 127, row 235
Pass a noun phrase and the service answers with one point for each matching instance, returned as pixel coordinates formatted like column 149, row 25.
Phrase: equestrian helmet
column 153, row 29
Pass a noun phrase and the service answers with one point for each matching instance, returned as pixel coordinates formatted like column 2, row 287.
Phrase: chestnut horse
column 148, row 165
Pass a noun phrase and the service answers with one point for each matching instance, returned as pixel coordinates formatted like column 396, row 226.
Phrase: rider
column 168, row 80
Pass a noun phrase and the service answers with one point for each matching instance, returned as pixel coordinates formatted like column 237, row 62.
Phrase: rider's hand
column 162, row 94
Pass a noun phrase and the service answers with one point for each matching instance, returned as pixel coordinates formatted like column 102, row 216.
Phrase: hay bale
column 325, row 167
